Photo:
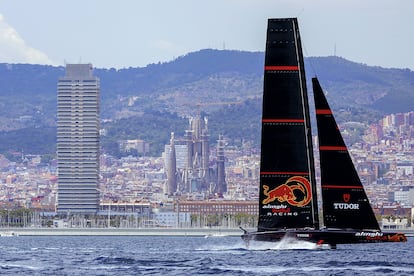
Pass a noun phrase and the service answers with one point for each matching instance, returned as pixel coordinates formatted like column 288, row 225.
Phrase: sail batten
column 335, row 148
column 330, row 186
column 281, row 68
column 324, row 111
column 285, row 173
column 265, row 120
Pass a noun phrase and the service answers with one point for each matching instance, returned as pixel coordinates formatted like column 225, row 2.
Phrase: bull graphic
column 286, row 192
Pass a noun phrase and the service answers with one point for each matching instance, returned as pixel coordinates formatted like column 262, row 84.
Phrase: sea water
column 180, row 255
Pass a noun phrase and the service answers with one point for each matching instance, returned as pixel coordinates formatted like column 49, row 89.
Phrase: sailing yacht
column 288, row 204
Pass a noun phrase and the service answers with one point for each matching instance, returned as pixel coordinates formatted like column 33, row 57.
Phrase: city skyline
column 384, row 162
column 137, row 33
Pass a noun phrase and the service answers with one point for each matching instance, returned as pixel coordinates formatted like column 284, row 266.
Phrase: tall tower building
column 78, row 141
column 172, row 168
column 221, row 173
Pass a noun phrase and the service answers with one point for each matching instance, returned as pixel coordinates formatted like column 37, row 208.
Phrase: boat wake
column 287, row 243
column 233, row 247
column 214, row 235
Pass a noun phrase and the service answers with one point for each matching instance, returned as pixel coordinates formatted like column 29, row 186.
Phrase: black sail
column 287, row 178
column 345, row 203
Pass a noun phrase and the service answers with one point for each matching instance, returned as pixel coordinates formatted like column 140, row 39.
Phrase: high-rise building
column 221, row 173
column 172, row 168
column 78, row 140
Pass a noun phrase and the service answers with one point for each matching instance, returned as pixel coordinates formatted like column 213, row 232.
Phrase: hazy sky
column 134, row 33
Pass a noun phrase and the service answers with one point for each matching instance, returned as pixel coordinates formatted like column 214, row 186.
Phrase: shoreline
column 121, row 232
column 191, row 232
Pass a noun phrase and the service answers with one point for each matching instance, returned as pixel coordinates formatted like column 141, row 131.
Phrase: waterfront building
column 222, row 207
column 125, row 208
column 172, row 219
column 78, row 140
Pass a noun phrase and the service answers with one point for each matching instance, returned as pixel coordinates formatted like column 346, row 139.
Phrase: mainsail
column 287, row 180
column 345, row 203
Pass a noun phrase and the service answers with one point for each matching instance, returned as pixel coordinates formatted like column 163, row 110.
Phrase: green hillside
column 150, row 102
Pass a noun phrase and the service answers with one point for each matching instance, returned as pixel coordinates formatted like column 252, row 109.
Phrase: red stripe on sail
column 323, row 112
column 332, row 148
column 341, row 187
column 281, row 68
column 280, row 173
column 283, row 120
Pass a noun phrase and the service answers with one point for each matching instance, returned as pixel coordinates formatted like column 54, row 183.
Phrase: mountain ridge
column 218, row 83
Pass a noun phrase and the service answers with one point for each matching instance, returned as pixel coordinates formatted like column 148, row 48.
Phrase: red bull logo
column 296, row 191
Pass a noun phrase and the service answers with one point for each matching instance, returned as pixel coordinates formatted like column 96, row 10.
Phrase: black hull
column 330, row 237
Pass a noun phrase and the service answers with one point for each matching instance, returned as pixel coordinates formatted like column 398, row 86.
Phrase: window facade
column 78, row 140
